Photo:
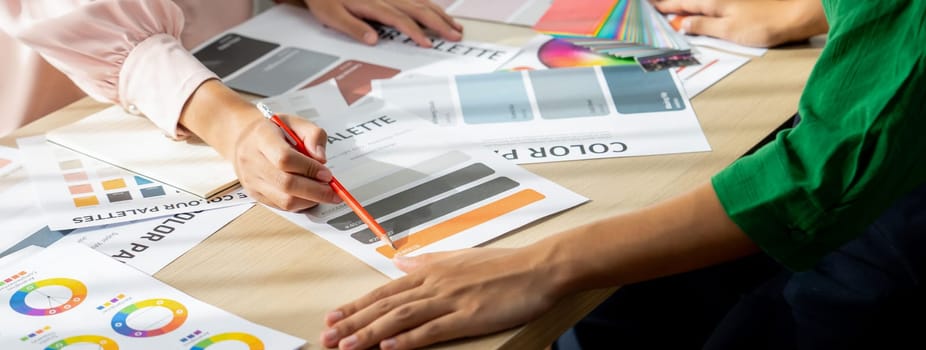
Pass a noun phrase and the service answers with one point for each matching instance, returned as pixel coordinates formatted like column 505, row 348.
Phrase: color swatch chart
column 430, row 194
column 258, row 58
column 561, row 114
column 78, row 191
column 71, row 297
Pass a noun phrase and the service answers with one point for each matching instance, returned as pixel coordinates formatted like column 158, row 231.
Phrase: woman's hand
column 407, row 16
column 269, row 169
column 760, row 23
column 446, row 296
column 274, row 173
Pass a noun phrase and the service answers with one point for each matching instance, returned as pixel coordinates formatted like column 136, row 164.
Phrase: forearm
column 218, row 115
column 681, row 234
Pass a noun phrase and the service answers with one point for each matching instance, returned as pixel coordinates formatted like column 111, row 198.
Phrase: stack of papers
column 622, row 28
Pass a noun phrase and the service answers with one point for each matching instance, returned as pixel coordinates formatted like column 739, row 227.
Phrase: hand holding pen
column 336, row 185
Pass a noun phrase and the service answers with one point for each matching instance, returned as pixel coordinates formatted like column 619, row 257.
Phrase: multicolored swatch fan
column 620, row 28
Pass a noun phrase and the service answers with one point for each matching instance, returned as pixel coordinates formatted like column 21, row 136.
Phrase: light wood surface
column 272, row 272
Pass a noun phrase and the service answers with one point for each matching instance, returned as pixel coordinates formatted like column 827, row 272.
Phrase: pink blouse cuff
column 158, row 77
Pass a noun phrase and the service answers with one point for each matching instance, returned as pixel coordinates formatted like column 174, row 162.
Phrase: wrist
column 218, row 116
column 809, row 20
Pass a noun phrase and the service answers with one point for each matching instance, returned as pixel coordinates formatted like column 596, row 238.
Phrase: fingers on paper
column 335, row 15
column 432, row 16
column 389, row 15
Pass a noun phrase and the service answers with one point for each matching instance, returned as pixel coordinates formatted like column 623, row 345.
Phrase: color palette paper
column 78, row 191
column 430, row 189
column 71, row 297
column 535, row 116
column 258, row 58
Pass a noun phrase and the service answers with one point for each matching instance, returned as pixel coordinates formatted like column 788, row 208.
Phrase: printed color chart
column 428, row 192
column 78, row 191
column 546, row 115
column 103, row 183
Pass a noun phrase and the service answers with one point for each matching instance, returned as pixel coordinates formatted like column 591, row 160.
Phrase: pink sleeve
column 121, row 51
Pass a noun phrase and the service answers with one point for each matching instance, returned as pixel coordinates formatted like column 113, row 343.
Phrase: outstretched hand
column 759, row 23
column 445, row 296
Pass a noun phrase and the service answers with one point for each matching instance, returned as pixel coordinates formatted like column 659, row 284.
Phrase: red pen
column 342, row 192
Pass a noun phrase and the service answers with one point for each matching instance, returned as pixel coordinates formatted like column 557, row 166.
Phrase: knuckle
column 431, row 330
column 288, row 203
column 286, row 181
column 403, row 313
column 285, row 159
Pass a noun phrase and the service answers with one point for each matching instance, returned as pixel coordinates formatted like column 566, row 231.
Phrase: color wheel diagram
column 48, row 297
column 149, row 318
column 218, row 342
column 88, row 342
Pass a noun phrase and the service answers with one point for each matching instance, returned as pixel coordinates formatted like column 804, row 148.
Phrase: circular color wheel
column 557, row 53
column 251, row 341
column 78, row 294
column 178, row 313
column 104, row 343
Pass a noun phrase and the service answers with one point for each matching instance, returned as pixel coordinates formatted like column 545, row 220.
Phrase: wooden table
column 272, row 272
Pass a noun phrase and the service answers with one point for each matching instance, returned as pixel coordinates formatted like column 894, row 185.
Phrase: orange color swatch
column 461, row 223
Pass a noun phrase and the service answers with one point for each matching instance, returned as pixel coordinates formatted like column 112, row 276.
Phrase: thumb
column 314, row 137
column 705, row 25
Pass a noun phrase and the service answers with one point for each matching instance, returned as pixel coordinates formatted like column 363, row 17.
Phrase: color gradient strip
column 251, row 341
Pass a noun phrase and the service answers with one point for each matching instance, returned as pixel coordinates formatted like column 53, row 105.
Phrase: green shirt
column 860, row 145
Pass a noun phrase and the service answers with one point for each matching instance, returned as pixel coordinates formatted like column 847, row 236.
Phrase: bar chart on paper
column 429, row 194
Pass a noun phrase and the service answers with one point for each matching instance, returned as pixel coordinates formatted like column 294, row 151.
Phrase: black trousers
column 869, row 294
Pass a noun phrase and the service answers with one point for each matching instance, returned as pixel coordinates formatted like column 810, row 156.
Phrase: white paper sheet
column 147, row 245
column 558, row 114
column 431, row 188
column 71, row 297
column 715, row 65
column 321, row 100
column 9, row 160
column 517, row 12
column 78, row 191
column 307, row 53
